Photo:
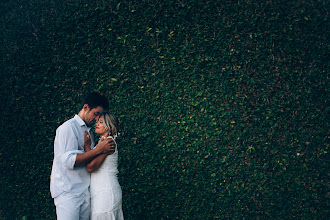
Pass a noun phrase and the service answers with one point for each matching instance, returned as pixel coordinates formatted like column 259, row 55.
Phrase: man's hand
column 107, row 145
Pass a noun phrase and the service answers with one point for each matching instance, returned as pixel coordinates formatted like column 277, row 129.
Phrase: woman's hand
column 88, row 141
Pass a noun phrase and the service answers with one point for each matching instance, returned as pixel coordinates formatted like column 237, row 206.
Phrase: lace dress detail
column 106, row 194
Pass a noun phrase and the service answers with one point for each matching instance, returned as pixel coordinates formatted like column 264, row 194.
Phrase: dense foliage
column 223, row 103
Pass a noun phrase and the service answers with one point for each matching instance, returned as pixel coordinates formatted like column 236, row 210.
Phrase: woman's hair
column 111, row 124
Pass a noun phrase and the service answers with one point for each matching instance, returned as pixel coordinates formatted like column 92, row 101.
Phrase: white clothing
column 106, row 194
column 71, row 207
column 69, row 142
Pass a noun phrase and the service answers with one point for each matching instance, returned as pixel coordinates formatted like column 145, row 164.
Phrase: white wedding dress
column 106, row 194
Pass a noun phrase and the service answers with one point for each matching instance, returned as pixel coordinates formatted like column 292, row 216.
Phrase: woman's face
column 100, row 128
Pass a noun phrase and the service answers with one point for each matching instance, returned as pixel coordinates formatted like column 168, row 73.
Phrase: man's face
column 92, row 115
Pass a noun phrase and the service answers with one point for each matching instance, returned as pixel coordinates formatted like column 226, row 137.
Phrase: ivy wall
column 223, row 104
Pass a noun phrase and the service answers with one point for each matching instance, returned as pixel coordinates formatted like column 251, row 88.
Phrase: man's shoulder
column 68, row 124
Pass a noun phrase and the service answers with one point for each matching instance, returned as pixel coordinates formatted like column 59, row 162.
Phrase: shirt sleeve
column 67, row 144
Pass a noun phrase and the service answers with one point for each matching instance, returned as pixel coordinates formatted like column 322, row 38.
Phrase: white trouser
column 71, row 207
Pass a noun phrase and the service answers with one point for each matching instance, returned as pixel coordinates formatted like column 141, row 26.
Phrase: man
column 69, row 185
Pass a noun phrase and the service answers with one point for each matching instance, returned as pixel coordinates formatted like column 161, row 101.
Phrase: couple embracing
column 84, row 183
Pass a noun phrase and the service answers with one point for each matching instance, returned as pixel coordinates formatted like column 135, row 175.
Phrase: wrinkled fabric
column 69, row 141
column 71, row 207
column 106, row 193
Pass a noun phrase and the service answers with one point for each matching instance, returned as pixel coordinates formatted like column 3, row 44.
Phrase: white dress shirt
column 69, row 141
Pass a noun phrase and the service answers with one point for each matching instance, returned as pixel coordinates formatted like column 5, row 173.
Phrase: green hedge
column 223, row 103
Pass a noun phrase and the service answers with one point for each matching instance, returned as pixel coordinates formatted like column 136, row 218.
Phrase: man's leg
column 85, row 208
column 68, row 206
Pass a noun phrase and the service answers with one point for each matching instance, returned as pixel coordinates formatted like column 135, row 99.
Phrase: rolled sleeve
column 69, row 141
column 68, row 159
column 66, row 146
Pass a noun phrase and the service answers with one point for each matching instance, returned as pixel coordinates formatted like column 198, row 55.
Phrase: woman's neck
column 105, row 135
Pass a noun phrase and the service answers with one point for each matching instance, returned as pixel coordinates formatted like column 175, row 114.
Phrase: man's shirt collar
column 81, row 122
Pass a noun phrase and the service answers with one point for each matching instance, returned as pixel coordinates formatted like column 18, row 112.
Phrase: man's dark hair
column 94, row 100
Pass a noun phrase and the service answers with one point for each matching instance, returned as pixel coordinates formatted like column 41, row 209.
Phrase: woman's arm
column 96, row 163
column 105, row 146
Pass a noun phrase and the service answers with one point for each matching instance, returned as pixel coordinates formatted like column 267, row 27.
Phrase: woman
column 106, row 194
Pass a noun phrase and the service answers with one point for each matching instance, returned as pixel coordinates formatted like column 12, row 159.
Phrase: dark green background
column 223, row 103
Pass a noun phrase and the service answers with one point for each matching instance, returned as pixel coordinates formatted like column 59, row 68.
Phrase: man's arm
column 82, row 159
column 104, row 146
column 95, row 163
